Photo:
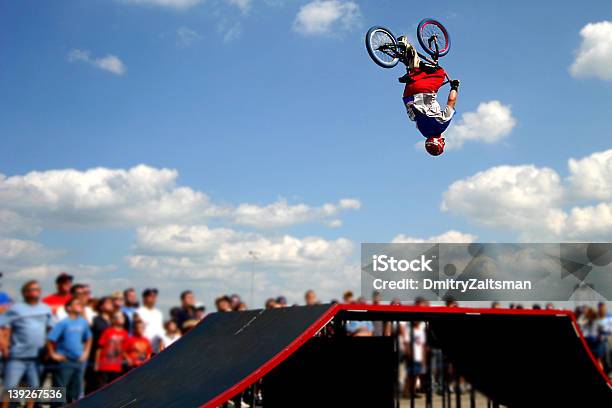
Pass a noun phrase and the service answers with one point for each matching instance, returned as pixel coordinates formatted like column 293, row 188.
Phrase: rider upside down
column 420, row 98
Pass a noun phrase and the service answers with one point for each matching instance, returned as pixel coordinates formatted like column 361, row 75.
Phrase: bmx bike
column 387, row 52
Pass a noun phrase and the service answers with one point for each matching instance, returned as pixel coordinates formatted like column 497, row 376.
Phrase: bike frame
column 397, row 51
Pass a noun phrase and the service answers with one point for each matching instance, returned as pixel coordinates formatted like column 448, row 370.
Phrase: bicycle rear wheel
column 382, row 47
column 433, row 37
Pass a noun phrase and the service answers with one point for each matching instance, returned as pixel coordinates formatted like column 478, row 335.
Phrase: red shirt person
column 63, row 283
column 111, row 352
column 138, row 347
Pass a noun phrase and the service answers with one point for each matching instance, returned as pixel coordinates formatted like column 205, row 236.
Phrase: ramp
column 223, row 354
column 517, row 357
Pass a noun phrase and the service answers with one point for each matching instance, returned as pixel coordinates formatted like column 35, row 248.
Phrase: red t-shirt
column 138, row 350
column 423, row 82
column 56, row 301
column 112, row 345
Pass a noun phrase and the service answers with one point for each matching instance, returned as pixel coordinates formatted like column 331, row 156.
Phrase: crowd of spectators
column 71, row 339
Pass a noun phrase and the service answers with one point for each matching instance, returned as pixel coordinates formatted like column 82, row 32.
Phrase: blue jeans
column 16, row 368
column 70, row 374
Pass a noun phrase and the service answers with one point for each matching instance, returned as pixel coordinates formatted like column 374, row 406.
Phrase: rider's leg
column 412, row 59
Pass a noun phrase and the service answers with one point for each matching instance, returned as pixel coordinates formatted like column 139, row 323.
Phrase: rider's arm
column 452, row 98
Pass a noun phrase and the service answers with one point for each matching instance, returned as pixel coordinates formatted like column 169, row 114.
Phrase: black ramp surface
column 214, row 356
column 523, row 361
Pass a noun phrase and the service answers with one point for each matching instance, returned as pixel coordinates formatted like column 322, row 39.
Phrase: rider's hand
column 455, row 84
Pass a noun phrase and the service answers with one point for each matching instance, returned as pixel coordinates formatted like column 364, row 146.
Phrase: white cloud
column 185, row 239
column 451, row 236
column 227, row 247
column 142, row 195
column 592, row 223
column 12, row 223
column 230, row 31
column 177, row 4
column 281, row 214
column 514, row 197
column 591, row 177
column 48, row 272
column 172, row 238
column 185, row 37
column 491, row 122
column 282, row 264
column 594, row 57
column 110, row 63
column 102, row 197
column 243, row 5
column 18, row 251
column 536, row 202
column 322, row 17
column 349, row 204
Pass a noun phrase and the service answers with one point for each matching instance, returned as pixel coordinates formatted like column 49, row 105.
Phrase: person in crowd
column 421, row 302
column 118, row 304
column 579, row 313
column 5, row 300
column 62, row 294
column 130, row 305
column 594, row 333
column 495, row 305
column 281, row 301
column 379, row 326
column 138, row 348
column 101, row 322
column 310, row 297
column 25, row 325
column 111, row 351
column 187, row 310
column 549, row 306
column 414, row 348
column 223, row 304
column 450, row 302
column 5, row 304
column 605, row 319
column 242, row 307
column 235, row 301
column 152, row 318
column 82, row 292
column 69, row 344
column 171, row 335
column 348, row 297
column 200, row 311
column 271, row 304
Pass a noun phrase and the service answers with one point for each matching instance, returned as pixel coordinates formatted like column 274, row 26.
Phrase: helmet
column 435, row 145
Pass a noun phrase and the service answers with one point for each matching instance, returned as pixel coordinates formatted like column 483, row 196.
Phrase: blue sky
column 263, row 102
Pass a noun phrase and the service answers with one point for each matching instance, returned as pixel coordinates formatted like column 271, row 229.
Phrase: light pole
column 254, row 257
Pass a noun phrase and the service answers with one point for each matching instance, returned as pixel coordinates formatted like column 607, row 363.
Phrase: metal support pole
column 429, row 376
column 411, row 367
column 457, row 389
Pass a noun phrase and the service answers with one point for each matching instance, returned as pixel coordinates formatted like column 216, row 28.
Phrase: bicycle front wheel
column 382, row 47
